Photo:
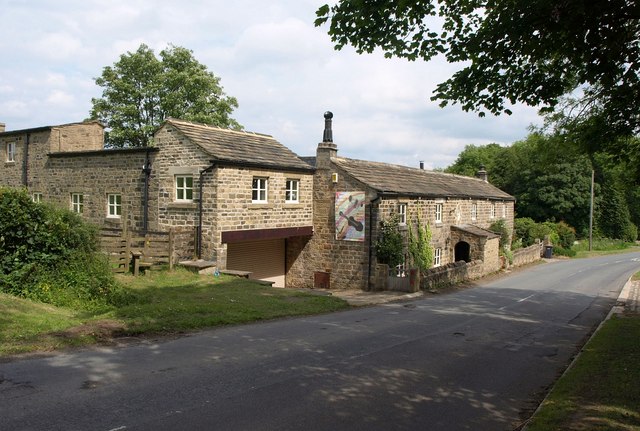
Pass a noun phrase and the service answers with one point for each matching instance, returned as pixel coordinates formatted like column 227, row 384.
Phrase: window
column 36, row 197
column 402, row 212
column 437, row 257
column 438, row 213
column 504, row 210
column 114, row 206
column 474, row 211
column 77, row 203
column 291, row 192
column 11, row 151
column 259, row 190
column 493, row 210
column 184, row 188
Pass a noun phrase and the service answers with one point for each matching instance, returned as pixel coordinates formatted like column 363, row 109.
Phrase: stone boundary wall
column 527, row 255
column 451, row 273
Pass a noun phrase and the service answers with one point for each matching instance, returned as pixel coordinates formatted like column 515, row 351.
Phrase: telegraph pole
column 591, row 212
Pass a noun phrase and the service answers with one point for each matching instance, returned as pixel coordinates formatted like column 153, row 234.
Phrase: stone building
column 245, row 199
column 352, row 197
column 245, row 202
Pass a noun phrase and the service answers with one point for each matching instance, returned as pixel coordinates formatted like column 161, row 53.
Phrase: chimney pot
column 421, row 164
column 2, row 127
column 327, row 136
column 482, row 174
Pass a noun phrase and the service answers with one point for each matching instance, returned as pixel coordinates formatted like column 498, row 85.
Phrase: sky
column 268, row 54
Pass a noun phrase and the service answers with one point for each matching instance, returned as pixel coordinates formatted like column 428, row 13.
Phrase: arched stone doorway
column 462, row 251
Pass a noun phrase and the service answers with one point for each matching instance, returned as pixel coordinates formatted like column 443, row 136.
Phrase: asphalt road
column 475, row 359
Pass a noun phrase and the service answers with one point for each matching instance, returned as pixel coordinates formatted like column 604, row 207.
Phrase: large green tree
column 511, row 51
column 140, row 90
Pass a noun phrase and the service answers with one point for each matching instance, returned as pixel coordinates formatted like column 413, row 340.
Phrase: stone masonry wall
column 226, row 195
column 94, row 176
column 345, row 263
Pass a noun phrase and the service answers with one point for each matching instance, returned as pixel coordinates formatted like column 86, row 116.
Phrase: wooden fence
column 126, row 248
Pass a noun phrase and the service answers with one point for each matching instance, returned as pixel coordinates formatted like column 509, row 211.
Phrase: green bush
column 500, row 227
column 50, row 255
column 561, row 251
column 566, row 235
column 389, row 247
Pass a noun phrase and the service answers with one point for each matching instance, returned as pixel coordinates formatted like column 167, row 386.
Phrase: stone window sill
column 260, row 206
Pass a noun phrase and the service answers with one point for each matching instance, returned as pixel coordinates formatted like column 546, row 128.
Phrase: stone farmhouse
column 246, row 202
column 352, row 197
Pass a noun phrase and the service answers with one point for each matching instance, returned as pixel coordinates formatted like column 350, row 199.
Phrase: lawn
column 163, row 303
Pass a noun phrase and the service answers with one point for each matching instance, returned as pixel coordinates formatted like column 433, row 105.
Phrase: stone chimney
column 326, row 149
column 482, row 174
column 2, row 127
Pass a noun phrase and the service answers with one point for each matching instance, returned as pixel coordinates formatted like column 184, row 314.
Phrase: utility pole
column 591, row 212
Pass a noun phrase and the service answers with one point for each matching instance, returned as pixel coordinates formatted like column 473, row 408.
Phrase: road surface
column 476, row 359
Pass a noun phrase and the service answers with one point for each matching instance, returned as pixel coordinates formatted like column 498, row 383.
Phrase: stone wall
column 525, row 256
column 95, row 175
column 226, row 195
column 344, row 262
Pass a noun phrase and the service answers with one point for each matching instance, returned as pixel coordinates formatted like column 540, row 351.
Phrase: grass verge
column 601, row 391
column 164, row 303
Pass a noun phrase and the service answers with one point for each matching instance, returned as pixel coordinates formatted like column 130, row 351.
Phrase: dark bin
column 548, row 251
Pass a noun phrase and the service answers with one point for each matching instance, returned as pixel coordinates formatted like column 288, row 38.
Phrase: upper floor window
column 493, row 210
column 114, row 206
column 438, row 213
column 504, row 210
column 402, row 212
column 437, row 257
column 77, row 203
column 11, row 151
column 184, row 188
column 474, row 211
column 36, row 197
column 292, row 191
column 259, row 190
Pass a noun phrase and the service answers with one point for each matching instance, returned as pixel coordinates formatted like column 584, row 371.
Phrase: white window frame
column 437, row 257
column 36, row 197
column 260, row 190
column 292, row 191
column 114, row 205
column 504, row 210
column 11, row 151
column 184, row 191
column 402, row 212
column 474, row 211
column 439, row 208
column 77, row 203
column 493, row 210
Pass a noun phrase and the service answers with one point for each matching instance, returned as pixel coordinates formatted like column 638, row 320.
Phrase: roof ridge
column 209, row 126
column 430, row 171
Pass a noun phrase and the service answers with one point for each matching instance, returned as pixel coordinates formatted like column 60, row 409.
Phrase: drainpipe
column 200, row 184
column 25, row 163
column 371, row 204
column 146, row 168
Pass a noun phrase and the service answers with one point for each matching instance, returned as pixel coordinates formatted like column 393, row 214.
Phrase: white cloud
column 283, row 70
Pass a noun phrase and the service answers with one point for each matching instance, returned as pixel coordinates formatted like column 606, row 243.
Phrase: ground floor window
column 437, row 257
column 114, row 206
column 36, row 197
column 77, row 203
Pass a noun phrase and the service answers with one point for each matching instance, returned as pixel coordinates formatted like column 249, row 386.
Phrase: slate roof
column 405, row 181
column 476, row 231
column 239, row 147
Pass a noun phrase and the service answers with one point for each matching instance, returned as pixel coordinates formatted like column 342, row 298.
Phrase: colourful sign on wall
column 350, row 216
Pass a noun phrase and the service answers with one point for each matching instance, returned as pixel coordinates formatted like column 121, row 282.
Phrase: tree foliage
column 141, row 90
column 510, row 51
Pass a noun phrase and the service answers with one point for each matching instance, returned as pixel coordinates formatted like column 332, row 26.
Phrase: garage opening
column 265, row 259
column 462, row 251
